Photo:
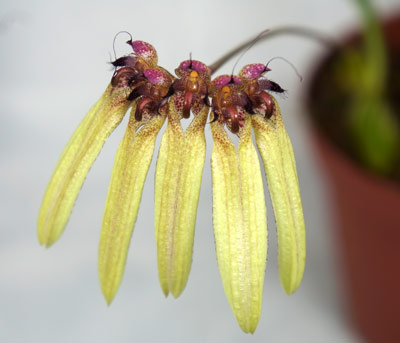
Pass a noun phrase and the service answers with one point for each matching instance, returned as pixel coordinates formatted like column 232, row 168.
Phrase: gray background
column 53, row 68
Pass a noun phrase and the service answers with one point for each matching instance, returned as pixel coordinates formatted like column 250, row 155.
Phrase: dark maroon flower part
column 256, row 85
column 229, row 101
column 191, row 87
column 148, row 82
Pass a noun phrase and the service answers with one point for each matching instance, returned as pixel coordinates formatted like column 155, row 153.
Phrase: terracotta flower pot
column 368, row 211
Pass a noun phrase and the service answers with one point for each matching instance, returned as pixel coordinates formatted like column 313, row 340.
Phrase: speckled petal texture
column 280, row 166
column 76, row 160
column 177, row 186
column 124, row 193
column 239, row 218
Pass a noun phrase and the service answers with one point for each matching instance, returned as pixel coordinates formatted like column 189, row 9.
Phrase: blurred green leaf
column 373, row 128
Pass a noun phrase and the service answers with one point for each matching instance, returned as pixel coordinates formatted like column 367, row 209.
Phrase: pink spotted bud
column 145, row 51
column 130, row 69
column 224, row 80
column 253, row 71
column 157, row 77
column 189, row 65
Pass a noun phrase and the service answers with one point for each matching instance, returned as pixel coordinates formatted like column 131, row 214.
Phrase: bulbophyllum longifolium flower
column 238, row 104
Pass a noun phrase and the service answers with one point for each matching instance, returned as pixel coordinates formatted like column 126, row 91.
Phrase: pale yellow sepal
column 193, row 156
column 277, row 153
column 75, row 162
column 177, row 187
column 124, row 193
column 240, row 226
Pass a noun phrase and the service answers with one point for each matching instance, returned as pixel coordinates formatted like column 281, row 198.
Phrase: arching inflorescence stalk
column 238, row 104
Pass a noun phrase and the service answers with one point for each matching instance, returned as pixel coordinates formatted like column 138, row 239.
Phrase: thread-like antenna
column 115, row 37
column 251, row 44
column 288, row 62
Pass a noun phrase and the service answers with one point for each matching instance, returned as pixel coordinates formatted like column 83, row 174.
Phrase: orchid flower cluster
column 232, row 103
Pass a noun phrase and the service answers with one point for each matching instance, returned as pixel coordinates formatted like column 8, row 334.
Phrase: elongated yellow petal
column 193, row 155
column 177, row 186
column 168, row 172
column 277, row 153
column 239, row 217
column 75, row 162
column 129, row 173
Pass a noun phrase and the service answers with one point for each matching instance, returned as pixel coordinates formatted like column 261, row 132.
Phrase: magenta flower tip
column 157, row 76
column 253, row 71
column 223, row 80
column 144, row 50
column 194, row 65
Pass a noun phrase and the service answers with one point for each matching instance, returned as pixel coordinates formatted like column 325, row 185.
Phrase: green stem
column 290, row 30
